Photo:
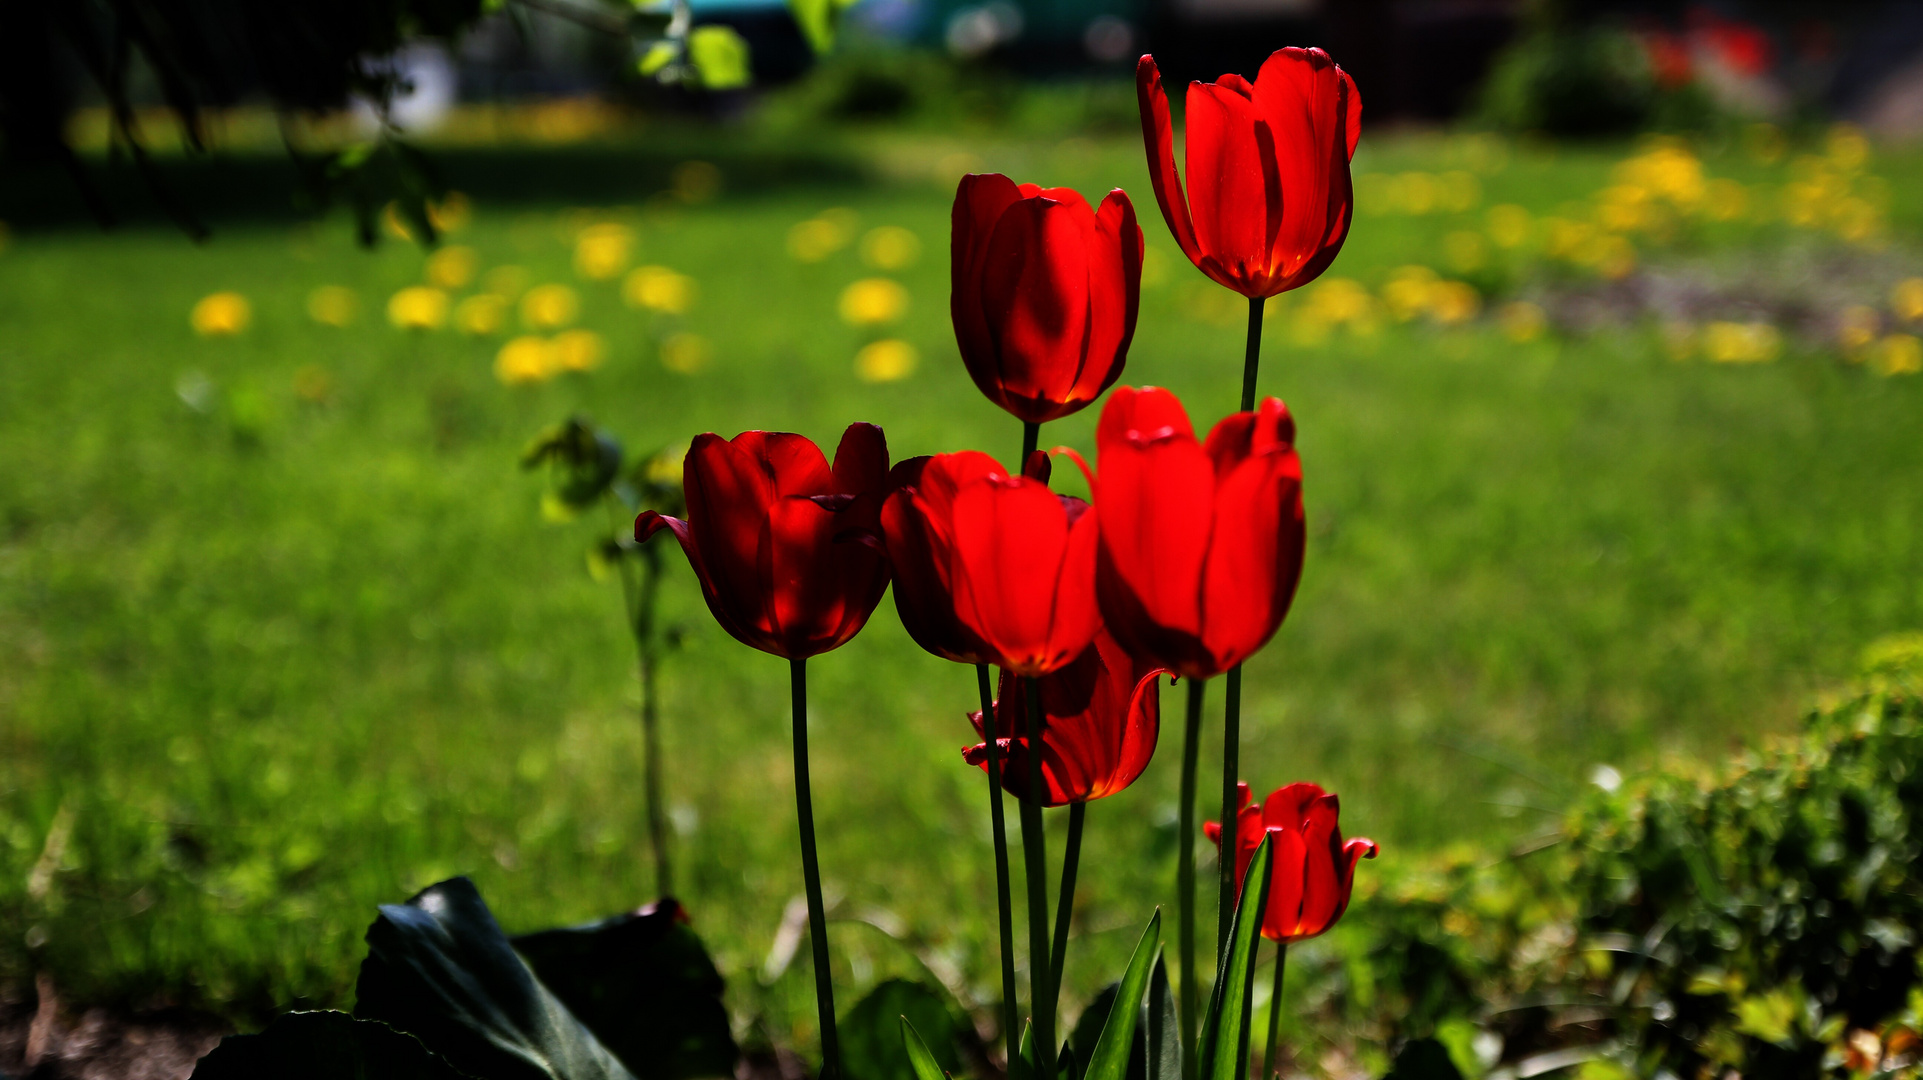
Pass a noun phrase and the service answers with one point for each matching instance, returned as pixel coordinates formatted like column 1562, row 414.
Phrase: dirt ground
column 42, row 1039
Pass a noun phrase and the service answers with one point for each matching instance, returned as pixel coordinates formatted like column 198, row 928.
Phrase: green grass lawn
column 266, row 665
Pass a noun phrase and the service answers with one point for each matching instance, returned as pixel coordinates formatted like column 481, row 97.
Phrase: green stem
column 1035, row 856
column 1065, row 900
column 1252, row 357
column 1011, row 1019
column 1185, row 875
column 651, row 722
column 1275, row 1007
column 1031, row 438
column 1231, row 754
column 811, row 877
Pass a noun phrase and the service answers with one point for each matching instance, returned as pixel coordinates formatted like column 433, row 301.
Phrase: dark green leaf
column 324, row 1046
column 582, row 460
column 1164, row 1031
column 871, row 1043
column 1423, row 1059
column 1225, row 1025
column 919, row 1059
column 1109, row 1060
column 439, row 967
column 645, row 986
column 1088, row 1026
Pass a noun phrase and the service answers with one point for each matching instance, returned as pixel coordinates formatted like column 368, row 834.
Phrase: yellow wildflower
column 221, row 314
column 886, row 361
column 417, row 307
column 451, row 267
column 546, row 307
column 658, row 288
column 873, row 301
column 481, row 314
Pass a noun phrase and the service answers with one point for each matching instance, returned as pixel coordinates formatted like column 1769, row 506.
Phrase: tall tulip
column 774, row 534
column 1103, row 716
column 1043, row 293
column 1201, row 545
column 1269, row 199
column 1023, row 570
column 918, row 528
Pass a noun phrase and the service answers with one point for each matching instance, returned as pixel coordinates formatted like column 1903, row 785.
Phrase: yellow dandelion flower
column 1741, row 343
column 665, row 468
column 658, row 288
column 1856, row 329
column 546, row 307
column 506, row 282
column 685, row 353
column 1452, row 302
column 873, row 301
column 1522, row 321
column 1906, row 299
column 1898, row 354
column 1847, row 148
column 451, row 267
column 1509, row 225
column 1336, row 301
column 577, row 350
column 332, row 305
column 819, row 237
column 886, row 361
column 1407, row 293
column 481, row 314
column 417, row 307
column 602, row 251
column 525, row 359
column 890, row 247
column 221, row 314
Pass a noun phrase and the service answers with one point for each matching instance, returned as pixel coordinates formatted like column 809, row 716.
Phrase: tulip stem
column 1231, row 805
column 1252, row 358
column 640, row 601
column 1185, row 875
column 1035, row 855
column 1031, row 438
column 1065, row 900
column 991, row 729
column 811, row 877
column 1275, row 1008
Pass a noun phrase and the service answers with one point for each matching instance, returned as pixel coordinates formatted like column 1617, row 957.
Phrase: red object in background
column 1669, row 59
column 1043, row 293
column 1104, row 714
column 1742, row 47
column 917, row 525
column 1313, row 869
column 1022, row 567
column 1201, row 545
column 1269, row 198
column 776, row 536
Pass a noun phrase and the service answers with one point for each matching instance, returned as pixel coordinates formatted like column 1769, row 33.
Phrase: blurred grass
column 265, row 667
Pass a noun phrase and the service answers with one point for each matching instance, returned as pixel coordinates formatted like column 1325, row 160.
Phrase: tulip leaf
column 324, row 1046
column 919, row 1059
column 1110, row 1058
column 1225, row 1025
column 1163, row 1045
column 643, row 983
column 871, row 1042
column 439, row 968
column 1088, row 1026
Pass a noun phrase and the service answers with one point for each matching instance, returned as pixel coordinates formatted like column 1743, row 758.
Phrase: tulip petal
column 1158, row 136
column 1035, row 296
column 1114, row 292
column 1235, row 193
column 1311, row 109
column 980, row 201
column 1256, row 548
column 915, row 522
column 1009, row 536
column 861, row 460
column 1288, row 887
column 1323, row 896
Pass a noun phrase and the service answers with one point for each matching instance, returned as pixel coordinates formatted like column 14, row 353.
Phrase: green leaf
column 719, row 56
column 818, row 20
column 324, row 1046
column 645, row 986
column 1110, row 1058
column 1227, row 1020
column 659, row 55
column 439, row 967
column 1164, row 1030
column 871, row 1043
column 919, row 1059
column 1423, row 1059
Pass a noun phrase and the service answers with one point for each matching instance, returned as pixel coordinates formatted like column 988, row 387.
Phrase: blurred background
column 1608, row 410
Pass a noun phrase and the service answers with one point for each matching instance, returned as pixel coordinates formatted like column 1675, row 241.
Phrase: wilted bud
column 582, row 462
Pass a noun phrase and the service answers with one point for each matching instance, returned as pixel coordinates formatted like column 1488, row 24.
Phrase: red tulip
column 1269, row 200
column 1023, row 571
column 917, row 524
column 774, row 535
column 1313, row 869
column 1104, row 714
column 1201, row 546
column 1043, row 291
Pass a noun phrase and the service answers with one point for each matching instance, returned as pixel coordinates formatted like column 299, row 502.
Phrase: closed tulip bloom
column 1269, row 200
column 1201, row 545
column 775, row 535
column 1043, row 292
column 1313, row 869
column 1104, row 714
column 1023, row 572
column 917, row 524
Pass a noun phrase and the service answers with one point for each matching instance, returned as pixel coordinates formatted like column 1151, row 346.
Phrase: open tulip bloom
column 1314, row 869
column 1043, row 292
column 778, row 539
column 918, row 529
column 1023, row 569
column 1269, row 200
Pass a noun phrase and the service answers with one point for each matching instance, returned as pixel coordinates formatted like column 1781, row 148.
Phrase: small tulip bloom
column 1201, row 545
column 1269, row 199
column 918, row 527
column 776, row 536
column 1023, row 572
column 1044, row 292
column 1313, row 868
column 1104, row 713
